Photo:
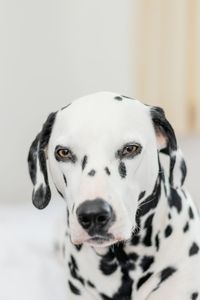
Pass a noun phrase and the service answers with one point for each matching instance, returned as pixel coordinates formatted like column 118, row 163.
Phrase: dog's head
column 102, row 152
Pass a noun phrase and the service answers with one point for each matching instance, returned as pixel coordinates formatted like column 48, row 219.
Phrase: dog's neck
column 153, row 207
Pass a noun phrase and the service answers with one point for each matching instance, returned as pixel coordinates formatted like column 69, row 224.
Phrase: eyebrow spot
column 118, row 98
column 128, row 97
column 84, row 162
column 65, row 106
column 92, row 173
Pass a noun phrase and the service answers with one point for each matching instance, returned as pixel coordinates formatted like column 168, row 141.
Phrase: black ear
column 167, row 144
column 37, row 164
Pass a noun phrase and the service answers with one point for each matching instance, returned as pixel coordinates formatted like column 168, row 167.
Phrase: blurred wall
column 166, row 60
column 50, row 53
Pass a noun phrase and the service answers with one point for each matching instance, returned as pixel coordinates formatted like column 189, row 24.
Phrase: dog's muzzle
column 96, row 217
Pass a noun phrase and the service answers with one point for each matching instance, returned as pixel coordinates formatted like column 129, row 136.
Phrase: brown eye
column 131, row 150
column 63, row 154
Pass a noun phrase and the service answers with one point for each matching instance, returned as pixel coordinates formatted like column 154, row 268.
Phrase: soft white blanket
column 30, row 269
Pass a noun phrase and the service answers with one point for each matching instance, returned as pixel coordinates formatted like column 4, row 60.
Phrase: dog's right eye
column 63, row 154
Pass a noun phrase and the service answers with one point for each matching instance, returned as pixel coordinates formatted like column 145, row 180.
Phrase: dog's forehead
column 103, row 113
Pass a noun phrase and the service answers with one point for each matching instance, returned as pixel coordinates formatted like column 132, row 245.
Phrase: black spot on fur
column 138, row 224
column 127, row 97
column 108, row 263
column 194, row 249
column 122, row 169
column 186, row 227
column 191, row 214
column 59, row 192
column 142, row 194
column 104, row 297
column 148, row 225
column 143, row 279
column 135, row 239
column 73, row 261
column 118, row 98
column 183, row 171
column 92, row 173
column 108, row 268
column 175, row 200
column 65, row 180
column 146, row 262
column 67, row 216
column 84, row 162
column 73, row 267
column 90, row 284
column 147, row 239
column 107, row 171
column 78, row 247
column 168, row 231
column 194, row 296
column 166, row 273
column 65, row 106
column 151, row 201
column 125, row 290
column 73, row 288
column 133, row 256
column 169, row 216
column 126, row 265
column 149, row 221
column 157, row 241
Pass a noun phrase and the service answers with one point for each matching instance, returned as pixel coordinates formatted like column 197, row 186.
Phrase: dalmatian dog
column 132, row 231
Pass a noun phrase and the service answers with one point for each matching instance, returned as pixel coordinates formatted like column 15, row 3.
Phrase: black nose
column 95, row 216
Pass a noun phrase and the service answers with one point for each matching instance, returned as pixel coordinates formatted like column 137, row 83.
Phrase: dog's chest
column 116, row 273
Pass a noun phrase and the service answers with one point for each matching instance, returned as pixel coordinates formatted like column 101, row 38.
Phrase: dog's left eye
column 63, row 154
column 131, row 150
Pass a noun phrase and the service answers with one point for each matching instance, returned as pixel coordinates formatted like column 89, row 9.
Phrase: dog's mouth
column 99, row 239
column 102, row 241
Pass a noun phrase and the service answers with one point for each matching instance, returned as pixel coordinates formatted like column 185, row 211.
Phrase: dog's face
column 103, row 159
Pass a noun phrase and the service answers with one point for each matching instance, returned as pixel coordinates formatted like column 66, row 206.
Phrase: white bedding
column 30, row 269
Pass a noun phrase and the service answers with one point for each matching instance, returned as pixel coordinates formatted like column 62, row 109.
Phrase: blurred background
column 52, row 52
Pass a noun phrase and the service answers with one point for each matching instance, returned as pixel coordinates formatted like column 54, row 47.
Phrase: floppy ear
column 37, row 164
column 167, row 144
